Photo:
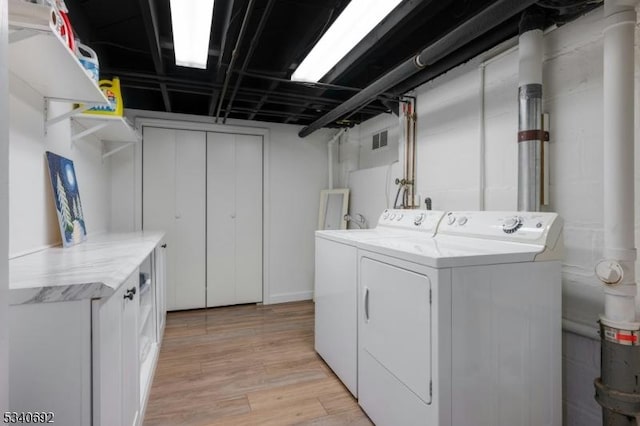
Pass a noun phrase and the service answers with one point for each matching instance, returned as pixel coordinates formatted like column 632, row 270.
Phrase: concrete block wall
column 450, row 163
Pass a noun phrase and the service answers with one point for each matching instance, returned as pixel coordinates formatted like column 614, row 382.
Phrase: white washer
column 463, row 329
column 336, row 285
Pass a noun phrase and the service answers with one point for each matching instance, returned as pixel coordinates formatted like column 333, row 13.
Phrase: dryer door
column 395, row 331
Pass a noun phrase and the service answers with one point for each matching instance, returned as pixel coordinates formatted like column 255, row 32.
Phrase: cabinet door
column 161, row 290
column 130, row 353
column 116, row 378
column 174, row 179
column 107, row 359
column 234, row 219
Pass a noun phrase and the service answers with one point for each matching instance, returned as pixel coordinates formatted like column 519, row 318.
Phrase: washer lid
column 446, row 251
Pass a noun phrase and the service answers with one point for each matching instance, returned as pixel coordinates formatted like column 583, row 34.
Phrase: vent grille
column 379, row 140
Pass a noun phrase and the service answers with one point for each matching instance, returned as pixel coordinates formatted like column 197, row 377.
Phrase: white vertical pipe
column 482, row 138
column 4, row 208
column 619, row 235
column 330, row 146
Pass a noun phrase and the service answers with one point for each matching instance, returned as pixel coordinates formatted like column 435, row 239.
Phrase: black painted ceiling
column 134, row 42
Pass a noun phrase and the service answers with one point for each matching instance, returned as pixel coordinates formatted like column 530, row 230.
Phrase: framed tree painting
column 67, row 199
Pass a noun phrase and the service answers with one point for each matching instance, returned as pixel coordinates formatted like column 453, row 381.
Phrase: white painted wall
column 32, row 218
column 369, row 174
column 121, row 191
column 296, row 170
column 4, row 210
column 449, row 167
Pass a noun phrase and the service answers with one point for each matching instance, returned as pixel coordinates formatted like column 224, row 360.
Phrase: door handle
column 366, row 304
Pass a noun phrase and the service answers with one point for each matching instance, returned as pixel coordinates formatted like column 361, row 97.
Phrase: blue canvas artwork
column 67, row 199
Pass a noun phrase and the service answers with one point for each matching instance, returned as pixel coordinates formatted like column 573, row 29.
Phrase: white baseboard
column 289, row 297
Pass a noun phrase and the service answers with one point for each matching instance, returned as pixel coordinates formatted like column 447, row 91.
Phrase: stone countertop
column 90, row 270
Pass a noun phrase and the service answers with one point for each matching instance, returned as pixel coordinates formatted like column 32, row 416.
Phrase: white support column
column 4, row 208
column 618, row 271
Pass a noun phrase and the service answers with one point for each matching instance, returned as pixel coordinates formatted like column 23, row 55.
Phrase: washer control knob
column 462, row 220
column 385, row 214
column 417, row 221
column 392, row 216
column 399, row 217
column 451, row 220
column 512, row 224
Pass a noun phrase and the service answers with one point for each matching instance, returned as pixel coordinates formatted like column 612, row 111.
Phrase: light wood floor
column 246, row 365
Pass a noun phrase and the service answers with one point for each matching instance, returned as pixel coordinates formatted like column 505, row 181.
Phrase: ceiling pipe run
column 234, row 56
column 530, row 128
column 476, row 26
column 252, row 47
column 618, row 388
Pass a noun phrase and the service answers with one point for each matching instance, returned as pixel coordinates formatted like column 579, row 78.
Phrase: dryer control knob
column 419, row 219
column 385, row 215
column 392, row 216
column 462, row 220
column 512, row 224
column 451, row 220
column 399, row 217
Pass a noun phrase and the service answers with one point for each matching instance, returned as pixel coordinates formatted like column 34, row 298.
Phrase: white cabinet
column 205, row 191
column 77, row 339
column 115, row 357
column 173, row 200
column 234, row 219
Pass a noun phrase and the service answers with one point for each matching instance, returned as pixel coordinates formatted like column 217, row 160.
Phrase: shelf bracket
column 118, row 149
column 88, row 131
column 75, row 111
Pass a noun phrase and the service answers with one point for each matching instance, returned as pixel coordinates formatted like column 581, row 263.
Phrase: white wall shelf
column 107, row 129
column 39, row 58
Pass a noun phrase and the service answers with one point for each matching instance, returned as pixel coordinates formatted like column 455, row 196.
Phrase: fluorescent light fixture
column 353, row 24
column 191, row 22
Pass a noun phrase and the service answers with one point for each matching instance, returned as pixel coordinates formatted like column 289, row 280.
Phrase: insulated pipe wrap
column 530, row 127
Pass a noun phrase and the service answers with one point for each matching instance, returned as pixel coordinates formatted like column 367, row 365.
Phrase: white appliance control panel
column 415, row 220
column 539, row 228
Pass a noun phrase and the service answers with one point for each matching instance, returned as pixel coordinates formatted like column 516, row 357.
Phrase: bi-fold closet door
column 204, row 189
column 234, row 219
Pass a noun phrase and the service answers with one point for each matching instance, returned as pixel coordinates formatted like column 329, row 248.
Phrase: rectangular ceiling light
column 353, row 24
column 191, row 22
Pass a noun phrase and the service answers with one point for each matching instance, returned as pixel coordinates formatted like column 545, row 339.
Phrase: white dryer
column 336, row 284
column 463, row 329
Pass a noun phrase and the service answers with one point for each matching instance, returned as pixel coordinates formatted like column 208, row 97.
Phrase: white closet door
column 221, row 211
column 234, row 219
column 248, row 218
column 174, row 179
